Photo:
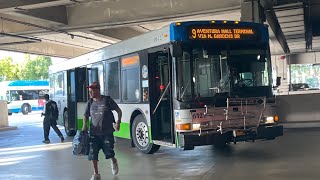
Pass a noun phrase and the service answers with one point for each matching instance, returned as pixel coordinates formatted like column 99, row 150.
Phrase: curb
column 7, row 128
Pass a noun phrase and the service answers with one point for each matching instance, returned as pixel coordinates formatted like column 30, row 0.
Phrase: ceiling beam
column 47, row 49
column 119, row 33
column 308, row 25
column 108, row 14
column 274, row 24
column 24, row 5
column 57, row 14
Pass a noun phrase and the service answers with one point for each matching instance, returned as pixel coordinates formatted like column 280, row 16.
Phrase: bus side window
column 131, row 79
column 97, row 75
column 112, row 79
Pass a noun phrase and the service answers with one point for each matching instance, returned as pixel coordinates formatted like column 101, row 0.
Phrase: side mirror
column 278, row 81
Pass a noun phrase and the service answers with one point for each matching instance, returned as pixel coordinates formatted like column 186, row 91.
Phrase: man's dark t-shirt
column 101, row 115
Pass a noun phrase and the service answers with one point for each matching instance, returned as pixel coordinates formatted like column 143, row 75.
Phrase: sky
column 19, row 57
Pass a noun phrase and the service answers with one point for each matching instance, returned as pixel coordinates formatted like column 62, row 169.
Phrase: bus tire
column 66, row 125
column 9, row 114
column 140, row 135
column 25, row 109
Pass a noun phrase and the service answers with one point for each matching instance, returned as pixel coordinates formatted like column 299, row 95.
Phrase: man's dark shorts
column 106, row 143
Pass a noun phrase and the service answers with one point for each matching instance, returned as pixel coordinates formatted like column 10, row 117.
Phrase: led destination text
column 221, row 33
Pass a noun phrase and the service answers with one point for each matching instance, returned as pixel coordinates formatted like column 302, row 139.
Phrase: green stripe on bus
column 123, row 133
column 124, row 130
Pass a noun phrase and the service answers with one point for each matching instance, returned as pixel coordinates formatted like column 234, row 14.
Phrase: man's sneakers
column 114, row 166
column 46, row 141
column 96, row 177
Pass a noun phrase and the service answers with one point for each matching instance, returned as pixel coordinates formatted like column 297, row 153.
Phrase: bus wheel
column 140, row 136
column 9, row 114
column 25, row 109
column 66, row 124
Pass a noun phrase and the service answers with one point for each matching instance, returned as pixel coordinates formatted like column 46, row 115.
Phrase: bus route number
column 198, row 115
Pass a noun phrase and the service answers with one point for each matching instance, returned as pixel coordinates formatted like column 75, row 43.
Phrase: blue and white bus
column 24, row 96
column 184, row 85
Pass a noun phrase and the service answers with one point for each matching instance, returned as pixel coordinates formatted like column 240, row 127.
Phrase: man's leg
column 57, row 130
column 95, row 166
column 108, row 146
column 46, row 130
column 95, row 146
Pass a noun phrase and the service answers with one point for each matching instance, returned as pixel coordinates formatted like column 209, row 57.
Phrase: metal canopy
column 69, row 28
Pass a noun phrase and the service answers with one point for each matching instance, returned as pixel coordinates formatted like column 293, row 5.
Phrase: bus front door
column 160, row 97
column 76, row 83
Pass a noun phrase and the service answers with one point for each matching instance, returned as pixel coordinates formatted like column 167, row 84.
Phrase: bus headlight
column 196, row 126
column 268, row 120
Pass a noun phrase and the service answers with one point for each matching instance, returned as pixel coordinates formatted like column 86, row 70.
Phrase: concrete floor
column 294, row 156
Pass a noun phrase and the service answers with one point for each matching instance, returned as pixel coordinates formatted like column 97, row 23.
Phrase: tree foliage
column 37, row 68
column 9, row 70
column 305, row 73
column 31, row 69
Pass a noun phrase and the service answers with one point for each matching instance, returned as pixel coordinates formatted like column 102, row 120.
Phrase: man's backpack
column 53, row 111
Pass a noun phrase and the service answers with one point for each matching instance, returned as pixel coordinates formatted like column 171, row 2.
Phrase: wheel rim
column 25, row 109
column 142, row 135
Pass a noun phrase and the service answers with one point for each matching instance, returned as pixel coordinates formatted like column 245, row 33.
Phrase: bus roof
column 151, row 39
column 28, row 83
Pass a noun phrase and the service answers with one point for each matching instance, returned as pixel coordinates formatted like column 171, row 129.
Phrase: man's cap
column 94, row 85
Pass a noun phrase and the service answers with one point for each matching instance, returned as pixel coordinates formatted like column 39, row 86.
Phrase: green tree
column 9, row 70
column 36, row 68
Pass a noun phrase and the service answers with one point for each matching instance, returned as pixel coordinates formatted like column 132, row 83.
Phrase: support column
column 251, row 11
column 4, row 124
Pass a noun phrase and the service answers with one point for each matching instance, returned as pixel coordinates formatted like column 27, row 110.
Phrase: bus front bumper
column 265, row 132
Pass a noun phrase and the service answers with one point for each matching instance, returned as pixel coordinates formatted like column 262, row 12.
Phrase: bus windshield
column 203, row 73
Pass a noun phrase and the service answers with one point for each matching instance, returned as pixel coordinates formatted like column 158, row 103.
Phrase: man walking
column 99, row 108
column 50, row 119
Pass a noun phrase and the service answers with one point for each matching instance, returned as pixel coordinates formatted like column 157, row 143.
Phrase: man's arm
column 119, row 112
column 45, row 109
column 84, row 126
column 86, row 117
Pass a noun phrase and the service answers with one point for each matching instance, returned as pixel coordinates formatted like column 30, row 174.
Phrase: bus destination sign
column 222, row 33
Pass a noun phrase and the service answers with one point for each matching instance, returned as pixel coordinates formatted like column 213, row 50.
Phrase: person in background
column 50, row 114
column 102, row 126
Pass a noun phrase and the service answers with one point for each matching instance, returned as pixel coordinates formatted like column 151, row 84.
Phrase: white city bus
column 184, row 85
column 24, row 96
